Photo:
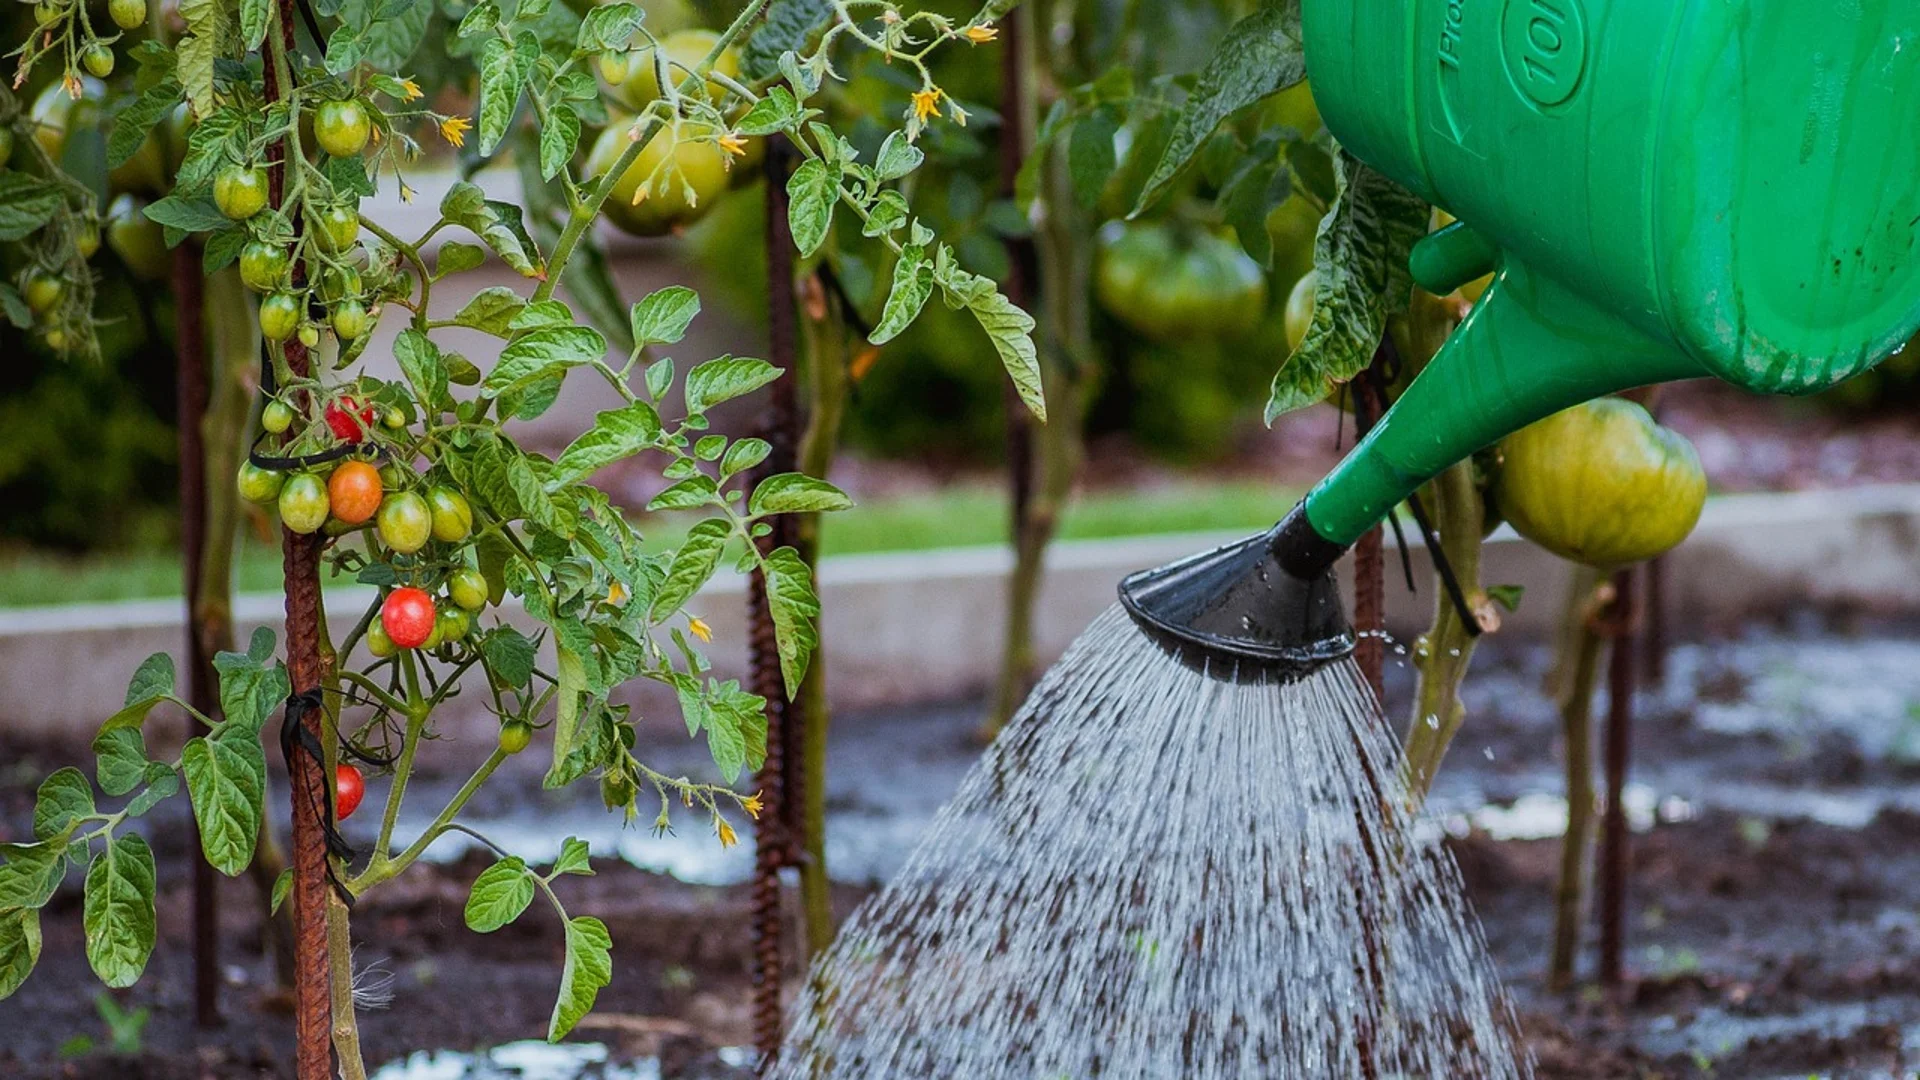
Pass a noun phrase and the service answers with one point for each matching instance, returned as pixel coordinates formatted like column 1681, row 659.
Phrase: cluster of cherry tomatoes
column 354, row 494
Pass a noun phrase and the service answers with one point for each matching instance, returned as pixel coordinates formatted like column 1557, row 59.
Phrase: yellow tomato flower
column 926, row 103
column 727, row 836
column 980, row 35
column 733, row 144
column 412, row 89
column 454, row 129
column 752, row 805
column 406, row 193
column 700, row 629
column 616, row 593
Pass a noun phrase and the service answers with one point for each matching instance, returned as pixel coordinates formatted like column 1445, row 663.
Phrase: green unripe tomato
column 240, row 192
column 615, row 65
column 435, row 637
column 394, row 419
column 405, row 524
column 1174, row 284
column 56, row 339
column 339, row 283
column 336, row 228
column 98, row 60
column 701, row 166
column 350, row 320
column 44, row 13
column 379, row 642
column 685, row 48
column 277, row 417
column 453, row 624
column 1300, row 308
column 263, row 266
column 128, row 14
column 468, row 588
column 452, row 515
column 137, row 239
column 1601, row 484
column 303, row 503
column 258, row 485
column 342, row 127
column 44, row 292
column 393, row 477
column 515, row 736
column 86, row 239
column 309, row 335
column 280, row 316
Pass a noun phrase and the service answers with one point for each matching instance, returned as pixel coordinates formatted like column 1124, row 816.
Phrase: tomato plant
column 466, row 516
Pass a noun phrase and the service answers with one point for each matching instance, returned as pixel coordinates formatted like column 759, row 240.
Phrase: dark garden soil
column 1774, row 928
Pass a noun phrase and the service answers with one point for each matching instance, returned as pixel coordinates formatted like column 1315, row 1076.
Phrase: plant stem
column 384, row 870
column 1443, row 654
column 346, row 1022
column 1578, row 668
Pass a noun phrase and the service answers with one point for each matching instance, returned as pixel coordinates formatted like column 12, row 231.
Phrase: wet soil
column 1774, row 925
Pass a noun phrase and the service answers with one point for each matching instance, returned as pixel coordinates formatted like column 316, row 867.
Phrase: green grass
column 956, row 517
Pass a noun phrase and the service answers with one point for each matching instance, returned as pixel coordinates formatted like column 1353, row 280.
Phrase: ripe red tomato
column 354, row 491
column 349, row 418
column 408, row 617
column 349, row 787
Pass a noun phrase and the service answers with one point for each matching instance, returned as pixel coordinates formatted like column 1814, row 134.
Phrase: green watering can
column 1665, row 189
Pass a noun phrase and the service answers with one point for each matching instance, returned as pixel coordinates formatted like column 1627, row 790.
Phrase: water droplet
column 1433, row 721
column 1488, row 751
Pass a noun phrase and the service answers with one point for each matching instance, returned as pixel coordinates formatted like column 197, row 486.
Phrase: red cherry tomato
column 407, row 616
column 349, row 787
column 349, row 418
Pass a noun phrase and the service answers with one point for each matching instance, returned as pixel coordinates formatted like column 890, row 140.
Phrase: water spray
column 1662, row 191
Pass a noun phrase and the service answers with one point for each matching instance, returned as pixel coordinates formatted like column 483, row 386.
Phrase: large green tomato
column 337, row 227
column 405, row 523
column 701, row 165
column 1601, row 483
column 684, row 49
column 342, row 128
column 303, row 503
column 258, row 485
column 1173, row 284
column 240, row 191
column 263, row 266
column 54, row 113
column 137, row 239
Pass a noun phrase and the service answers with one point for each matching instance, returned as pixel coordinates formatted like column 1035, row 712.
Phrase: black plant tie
column 1442, row 567
column 269, row 386
column 295, row 736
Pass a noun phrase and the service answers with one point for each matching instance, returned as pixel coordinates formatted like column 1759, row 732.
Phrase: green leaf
column 31, row 873
column 744, row 455
column 63, row 798
column 1360, row 256
column 162, row 782
column 1260, row 55
column 466, row 205
column 724, row 379
column 152, row 682
column 663, row 317
column 253, row 23
column 479, row 19
column 249, row 689
column 187, row 215
column 26, row 203
column 117, row 910
column 811, row 192
column 692, row 567
column 573, row 858
column 912, row 284
column 794, row 607
column 121, row 759
column 609, row 26
column 419, row 360
column 571, row 670
column 888, row 213
column 19, row 948
column 542, row 314
column 456, row 256
column 795, row 493
column 220, row 249
column 897, row 157
column 282, row 885
column 589, row 967
column 207, row 40
column 500, row 894
column 736, row 724
column 1507, row 596
column 778, row 111
column 510, row 656
column 491, row 310
column 395, row 36
column 15, row 306
column 659, row 377
column 615, row 435
column 686, row 494
column 789, row 26
column 547, row 351
column 558, row 137
column 1090, row 157
column 227, row 783
column 133, row 125
column 499, row 92
column 1008, row 327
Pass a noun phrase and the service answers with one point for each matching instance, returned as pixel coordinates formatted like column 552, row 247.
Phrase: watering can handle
column 1445, row 260
column 1530, row 348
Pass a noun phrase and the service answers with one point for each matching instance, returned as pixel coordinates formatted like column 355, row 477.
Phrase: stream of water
column 1155, row 873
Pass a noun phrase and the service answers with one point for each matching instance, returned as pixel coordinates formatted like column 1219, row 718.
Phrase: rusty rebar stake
column 312, row 977
column 779, row 784
column 1369, row 562
column 190, row 395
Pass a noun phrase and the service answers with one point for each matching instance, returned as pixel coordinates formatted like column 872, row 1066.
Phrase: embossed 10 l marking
column 1545, row 43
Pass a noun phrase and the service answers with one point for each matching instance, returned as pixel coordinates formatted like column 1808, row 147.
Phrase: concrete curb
column 925, row 626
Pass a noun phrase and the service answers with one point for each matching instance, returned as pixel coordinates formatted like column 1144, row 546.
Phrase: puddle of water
column 534, row 1060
